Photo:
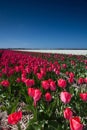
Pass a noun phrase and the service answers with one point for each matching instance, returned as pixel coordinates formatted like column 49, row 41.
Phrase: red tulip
column 67, row 73
column 57, row 72
column 5, row 83
column 43, row 71
column 71, row 75
column 18, row 80
column 14, row 117
column 83, row 96
column 40, row 76
column 80, row 80
column 73, row 62
column 45, row 84
column 31, row 92
column 67, row 113
column 62, row 83
column 64, row 66
column 70, row 80
column 52, row 86
column 75, row 124
column 48, row 97
column 17, row 69
column 85, row 80
column 29, row 82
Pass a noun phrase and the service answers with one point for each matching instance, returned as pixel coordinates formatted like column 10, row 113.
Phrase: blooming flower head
column 62, row 83
column 31, row 92
column 14, row 117
column 85, row 80
column 67, row 113
column 5, row 83
column 70, row 80
column 48, row 97
column 80, row 80
column 37, row 95
column 83, row 96
column 71, row 75
column 18, row 80
column 45, row 84
column 75, row 124
column 29, row 82
column 64, row 66
column 40, row 76
column 52, row 86
column 65, row 97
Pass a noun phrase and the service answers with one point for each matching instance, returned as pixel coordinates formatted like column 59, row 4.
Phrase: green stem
column 19, row 127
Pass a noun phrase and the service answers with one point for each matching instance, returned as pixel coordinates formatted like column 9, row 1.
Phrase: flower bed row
column 53, row 88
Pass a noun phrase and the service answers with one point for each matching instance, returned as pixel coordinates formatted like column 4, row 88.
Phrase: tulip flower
column 14, row 118
column 67, row 113
column 62, row 83
column 65, row 97
column 48, row 97
column 75, row 124
column 83, row 96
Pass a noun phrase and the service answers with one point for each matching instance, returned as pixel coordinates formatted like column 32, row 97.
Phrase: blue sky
column 43, row 24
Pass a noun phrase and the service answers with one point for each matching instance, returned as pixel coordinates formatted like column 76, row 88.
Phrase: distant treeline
column 43, row 48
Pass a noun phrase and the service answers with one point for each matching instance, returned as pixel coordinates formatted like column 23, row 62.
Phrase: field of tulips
column 49, row 90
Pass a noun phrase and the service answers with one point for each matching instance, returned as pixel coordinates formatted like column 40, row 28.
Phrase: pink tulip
column 37, row 96
column 65, row 97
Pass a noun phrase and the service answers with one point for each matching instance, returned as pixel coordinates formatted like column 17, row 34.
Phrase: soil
column 23, row 122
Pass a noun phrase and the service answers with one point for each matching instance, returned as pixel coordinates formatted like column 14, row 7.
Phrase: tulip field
column 42, row 91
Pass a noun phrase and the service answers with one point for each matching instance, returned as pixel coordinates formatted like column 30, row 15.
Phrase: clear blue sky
column 43, row 24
